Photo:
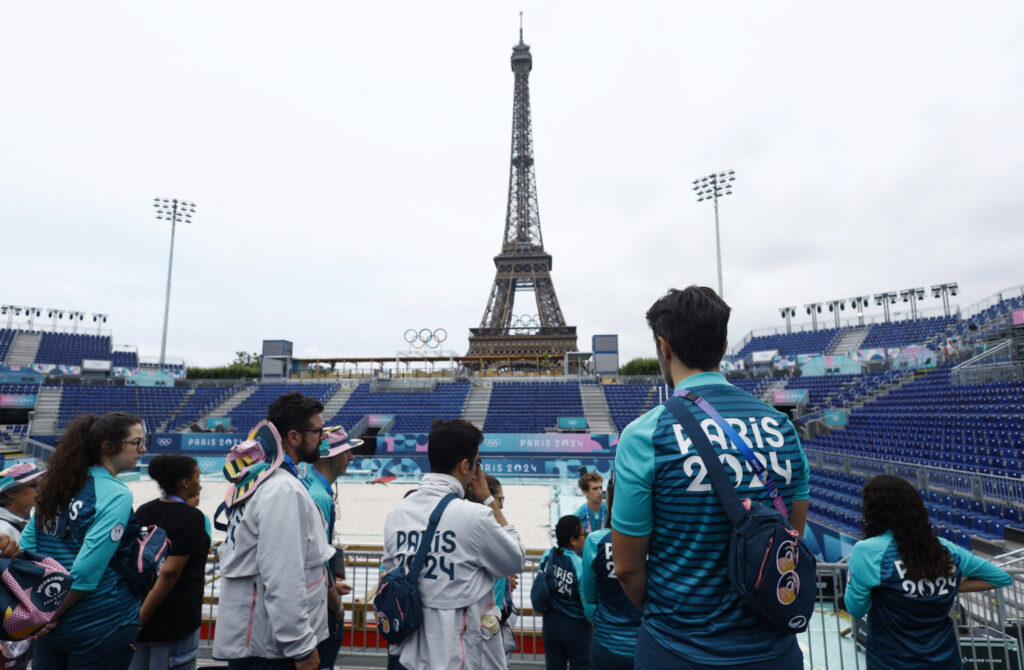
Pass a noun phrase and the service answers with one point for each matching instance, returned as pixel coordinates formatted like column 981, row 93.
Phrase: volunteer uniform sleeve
column 634, row 477
column 588, row 581
column 113, row 508
column 588, row 607
column 865, row 574
column 281, row 517
column 975, row 567
column 803, row 485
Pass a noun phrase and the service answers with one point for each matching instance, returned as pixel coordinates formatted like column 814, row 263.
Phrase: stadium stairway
column 162, row 428
column 334, row 404
column 24, row 349
column 766, row 392
column 850, row 340
column 47, row 411
column 595, row 409
column 233, row 401
column 477, row 402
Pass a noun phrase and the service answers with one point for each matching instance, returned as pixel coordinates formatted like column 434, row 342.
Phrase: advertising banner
column 763, row 356
column 539, row 466
column 17, row 374
column 784, row 362
column 789, row 397
column 512, row 443
column 218, row 421
column 864, row 355
column 375, row 420
column 728, row 365
column 572, row 422
column 1018, row 317
column 17, row 400
column 835, row 418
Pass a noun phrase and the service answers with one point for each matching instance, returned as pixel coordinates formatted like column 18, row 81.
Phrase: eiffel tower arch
column 522, row 265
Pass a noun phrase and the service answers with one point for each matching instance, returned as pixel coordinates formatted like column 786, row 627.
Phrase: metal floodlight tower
column 814, row 309
column 9, row 311
column 714, row 186
column 944, row 291
column 788, row 313
column 75, row 317
column 912, row 295
column 55, row 313
column 99, row 320
column 835, row 306
column 859, row 303
column 886, row 299
column 32, row 313
column 174, row 211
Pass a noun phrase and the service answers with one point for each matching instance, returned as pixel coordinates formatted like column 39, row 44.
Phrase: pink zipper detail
column 252, row 615
column 760, row 574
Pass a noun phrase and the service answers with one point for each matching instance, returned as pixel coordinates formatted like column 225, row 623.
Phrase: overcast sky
column 350, row 161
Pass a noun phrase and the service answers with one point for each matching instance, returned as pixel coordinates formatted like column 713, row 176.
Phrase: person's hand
column 46, row 630
column 513, row 582
column 478, row 487
column 343, row 588
column 311, row 663
column 9, row 547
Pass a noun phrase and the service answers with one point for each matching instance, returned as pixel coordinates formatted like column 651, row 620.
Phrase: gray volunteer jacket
column 273, row 599
column 470, row 550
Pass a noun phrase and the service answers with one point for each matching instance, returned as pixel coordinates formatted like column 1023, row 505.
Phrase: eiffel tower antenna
column 523, row 264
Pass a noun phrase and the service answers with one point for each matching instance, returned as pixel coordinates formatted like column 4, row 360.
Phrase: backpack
column 769, row 564
column 397, row 603
column 543, row 586
column 32, row 589
column 139, row 557
column 146, row 556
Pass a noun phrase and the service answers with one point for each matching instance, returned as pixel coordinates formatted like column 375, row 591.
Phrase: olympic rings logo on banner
column 424, row 337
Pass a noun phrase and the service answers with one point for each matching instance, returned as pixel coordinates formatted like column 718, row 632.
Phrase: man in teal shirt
column 335, row 455
column 670, row 534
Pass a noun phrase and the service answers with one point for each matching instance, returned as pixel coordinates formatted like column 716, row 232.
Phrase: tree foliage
column 245, row 366
column 641, row 366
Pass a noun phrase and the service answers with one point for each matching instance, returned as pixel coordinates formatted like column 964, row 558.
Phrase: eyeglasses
column 320, row 430
column 501, row 500
column 138, row 443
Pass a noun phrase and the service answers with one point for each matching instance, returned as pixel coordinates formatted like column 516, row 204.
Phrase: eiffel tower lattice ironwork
column 522, row 265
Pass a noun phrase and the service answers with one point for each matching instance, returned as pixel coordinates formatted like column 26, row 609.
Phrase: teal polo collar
column 702, row 379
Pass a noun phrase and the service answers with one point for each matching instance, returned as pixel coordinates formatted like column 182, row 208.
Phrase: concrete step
column 477, row 402
column 232, row 401
column 24, row 349
column 336, row 402
column 47, row 410
column 595, row 409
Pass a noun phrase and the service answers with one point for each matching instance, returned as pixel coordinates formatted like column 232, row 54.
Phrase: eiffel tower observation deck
column 522, row 265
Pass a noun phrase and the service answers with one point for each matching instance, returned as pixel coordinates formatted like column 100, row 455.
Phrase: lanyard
column 289, row 465
column 600, row 518
column 174, row 499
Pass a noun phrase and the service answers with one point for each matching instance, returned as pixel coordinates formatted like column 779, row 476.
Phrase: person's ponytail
column 79, row 447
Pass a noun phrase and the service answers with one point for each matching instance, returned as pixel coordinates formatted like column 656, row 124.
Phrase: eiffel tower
column 522, row 265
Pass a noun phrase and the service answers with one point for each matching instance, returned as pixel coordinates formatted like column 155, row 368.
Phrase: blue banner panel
column 512, row 443
column 572, row 422
column 828, row 544
column 17, row 400
column 216, row 421
column 835, row 418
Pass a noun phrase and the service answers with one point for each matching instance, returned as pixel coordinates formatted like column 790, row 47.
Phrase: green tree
column 641, row 366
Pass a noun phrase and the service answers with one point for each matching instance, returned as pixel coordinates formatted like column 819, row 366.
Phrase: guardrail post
column 976, row 491
column 922, row 479
column 846, row 464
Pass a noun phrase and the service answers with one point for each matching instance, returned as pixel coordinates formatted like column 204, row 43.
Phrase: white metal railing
column 999, row 296
column 833, row 640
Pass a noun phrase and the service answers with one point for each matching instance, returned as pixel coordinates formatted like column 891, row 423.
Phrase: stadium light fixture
column 944, row 291
column 835, row 306
column 886, row 299
column 31, row 313
column 712, row 187
column 55, row 314
column 174, row 211
column 99, row 320
column 9, row 311
column 912, row 295
column 814, row 309
column 75, row 317
column 859, row 303
column 788, row 313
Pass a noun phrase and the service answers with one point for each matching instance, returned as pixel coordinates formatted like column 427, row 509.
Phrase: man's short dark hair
column 451, row 441
column 695, row 323
column 292, row 411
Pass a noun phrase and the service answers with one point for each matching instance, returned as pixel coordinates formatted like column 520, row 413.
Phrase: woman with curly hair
column 907, row 579
column 83, row 516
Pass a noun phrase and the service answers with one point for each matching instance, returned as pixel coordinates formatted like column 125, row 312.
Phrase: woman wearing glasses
column 83, row 514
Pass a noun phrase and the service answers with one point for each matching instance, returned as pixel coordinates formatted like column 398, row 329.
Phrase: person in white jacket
column 473, row 546
column 272, row 611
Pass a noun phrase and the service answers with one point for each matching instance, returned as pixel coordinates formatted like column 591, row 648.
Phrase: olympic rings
column 425, row 337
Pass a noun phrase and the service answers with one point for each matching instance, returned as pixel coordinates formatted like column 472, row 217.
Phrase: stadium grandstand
column 935, row 399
